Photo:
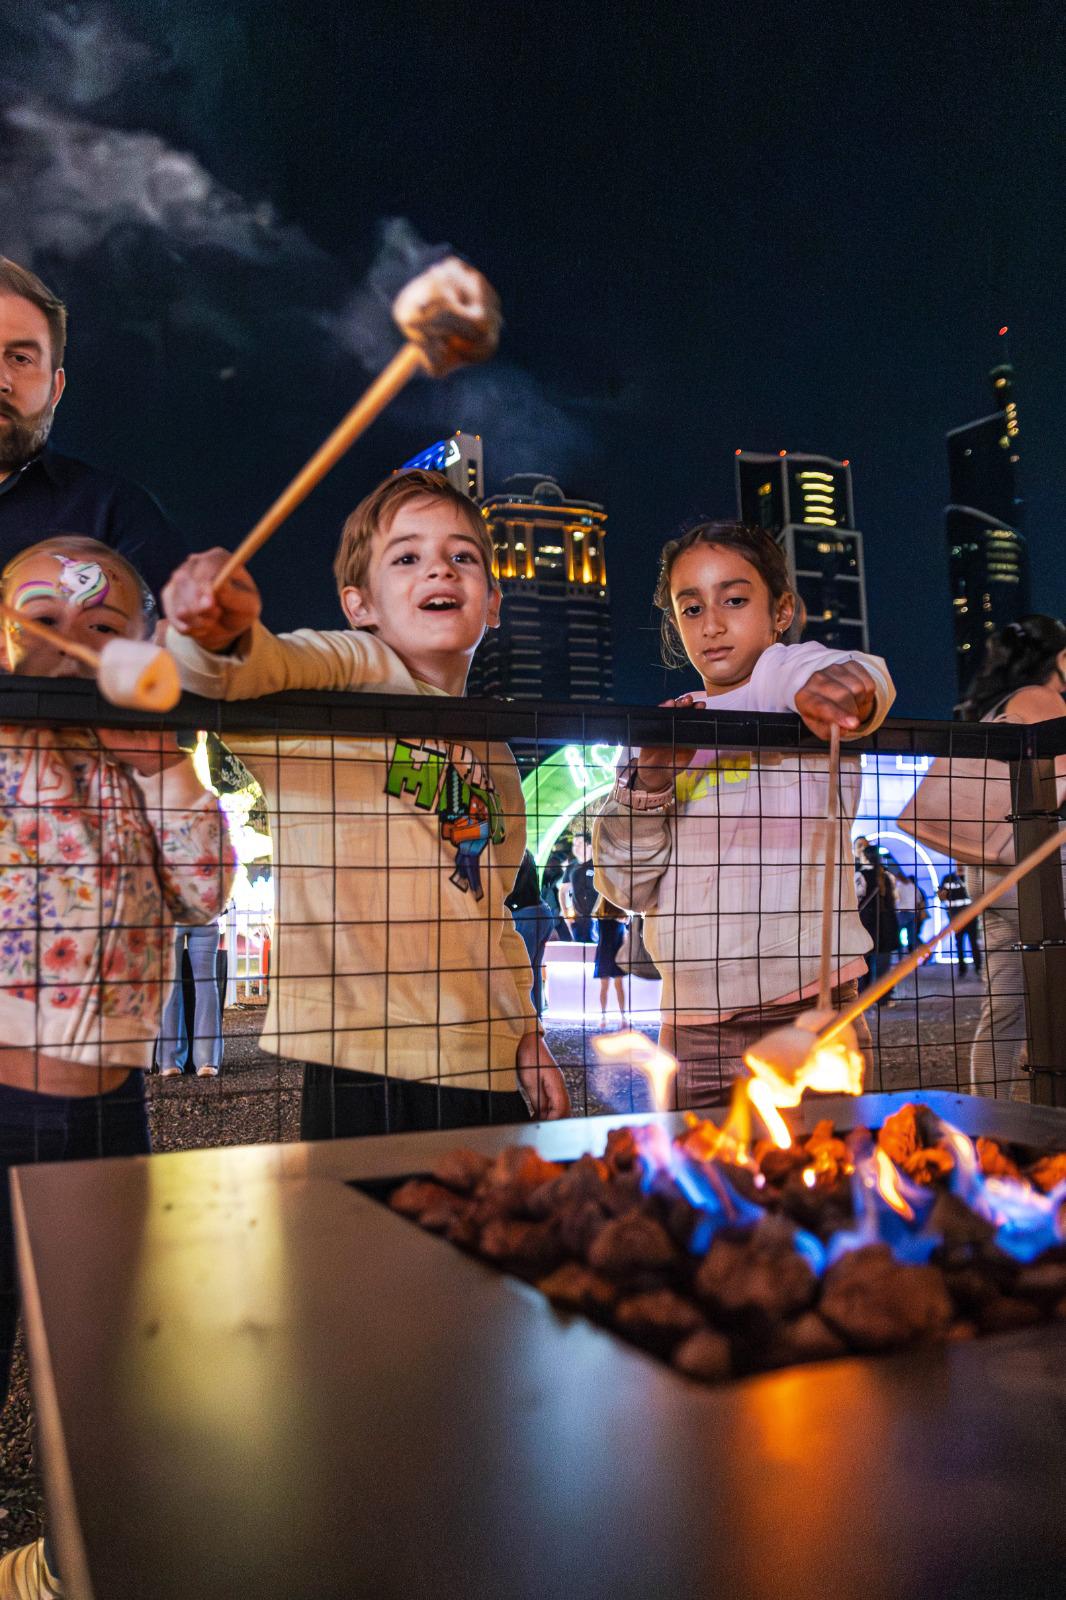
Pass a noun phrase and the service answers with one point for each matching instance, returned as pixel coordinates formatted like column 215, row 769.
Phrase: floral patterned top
column 96, row 865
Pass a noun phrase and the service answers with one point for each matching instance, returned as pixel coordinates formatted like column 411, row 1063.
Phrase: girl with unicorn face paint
column 81, row 588
column 107, row 839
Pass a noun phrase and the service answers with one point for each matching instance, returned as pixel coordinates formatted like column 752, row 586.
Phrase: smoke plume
column 190, row 264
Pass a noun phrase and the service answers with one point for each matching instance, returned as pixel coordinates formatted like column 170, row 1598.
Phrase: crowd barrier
column 924, row 1038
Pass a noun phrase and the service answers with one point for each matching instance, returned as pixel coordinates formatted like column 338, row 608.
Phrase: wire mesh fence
column 427, row 885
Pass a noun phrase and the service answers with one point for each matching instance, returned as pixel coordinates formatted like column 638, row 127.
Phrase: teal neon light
column 571, row 782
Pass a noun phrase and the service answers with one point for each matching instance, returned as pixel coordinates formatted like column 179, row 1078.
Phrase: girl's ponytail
column 1020, row 654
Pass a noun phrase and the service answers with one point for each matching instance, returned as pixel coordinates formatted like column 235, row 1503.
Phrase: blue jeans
column 172, row 1047
column 53, row 1127
column 534, row 925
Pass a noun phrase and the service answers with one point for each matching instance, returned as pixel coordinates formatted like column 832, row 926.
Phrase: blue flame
column 1027, row 1222
column 878, row 1223
column 703, row 1184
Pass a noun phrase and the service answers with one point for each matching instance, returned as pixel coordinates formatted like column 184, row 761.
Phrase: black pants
column 52, row 1127
column 968, row 936
column 340, row 1104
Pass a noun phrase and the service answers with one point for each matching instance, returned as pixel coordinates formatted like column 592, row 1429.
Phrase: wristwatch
column 626, row 793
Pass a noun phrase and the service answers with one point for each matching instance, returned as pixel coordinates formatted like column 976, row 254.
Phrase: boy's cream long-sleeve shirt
column 729, row 875
column 393, row 950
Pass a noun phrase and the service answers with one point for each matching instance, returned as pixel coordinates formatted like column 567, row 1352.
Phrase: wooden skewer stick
column 450, row 316
column 70, row 647
column 407, row 361
column 970, row 913
column 831, row 870
column 128, row 672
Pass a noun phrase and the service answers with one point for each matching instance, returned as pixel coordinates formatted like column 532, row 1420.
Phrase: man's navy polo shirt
column 56, row 494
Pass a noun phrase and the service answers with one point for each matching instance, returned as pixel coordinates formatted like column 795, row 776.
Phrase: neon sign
column 566, row 790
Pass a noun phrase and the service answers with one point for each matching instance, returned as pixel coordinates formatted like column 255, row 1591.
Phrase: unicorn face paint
column 83, row 582
column 80, row 583
column 87, row 601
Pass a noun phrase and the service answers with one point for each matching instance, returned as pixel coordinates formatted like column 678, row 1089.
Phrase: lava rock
column 586, row 1179
column 531, row 1248
column 461, row 1169
column 658, row 1319
column 1006, row 1314
column 876, row 1303
column 632, row 1243
column 417, row 1195
column 1044, row 1281
column 624, row 1194
column 971, row 1287
column 620, row 1153
column 515, row 1175
column 956, row 1223
column 578, row 1288
column 579, row 1226
column 806, row 1338
column 777, row 1166
column 761, row 1274
column 442, row 1216
column 705, row 1355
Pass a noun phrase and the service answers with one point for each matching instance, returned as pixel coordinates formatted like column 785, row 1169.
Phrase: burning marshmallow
column 452, row 313
column 134, row 672
column 795, row 1058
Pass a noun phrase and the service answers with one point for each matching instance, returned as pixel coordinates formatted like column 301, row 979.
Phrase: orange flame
column 888, row 1185
column 786, row 1063
column 658, row 1066
column 762, row 1098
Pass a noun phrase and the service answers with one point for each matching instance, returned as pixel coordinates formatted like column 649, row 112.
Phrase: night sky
column 759, row 226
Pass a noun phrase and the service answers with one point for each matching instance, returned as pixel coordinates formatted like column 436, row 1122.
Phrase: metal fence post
column 1042, row 931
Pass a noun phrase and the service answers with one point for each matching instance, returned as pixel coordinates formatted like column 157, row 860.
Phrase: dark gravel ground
column 257, row 1101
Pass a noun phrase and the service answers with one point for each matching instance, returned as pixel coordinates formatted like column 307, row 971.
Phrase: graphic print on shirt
column 450, row 780
column 697, row 781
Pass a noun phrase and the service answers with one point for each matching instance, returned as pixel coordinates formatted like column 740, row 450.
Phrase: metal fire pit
column 253, row 1380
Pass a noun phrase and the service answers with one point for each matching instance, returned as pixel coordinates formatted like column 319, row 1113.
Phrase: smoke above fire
column 88, row 199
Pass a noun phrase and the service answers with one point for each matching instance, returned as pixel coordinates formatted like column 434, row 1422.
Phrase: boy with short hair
column 397, row 974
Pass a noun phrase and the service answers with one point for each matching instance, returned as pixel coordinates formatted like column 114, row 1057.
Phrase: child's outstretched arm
column 216, row 622
column 632, row 846
column 841, row 688
column 224, row 653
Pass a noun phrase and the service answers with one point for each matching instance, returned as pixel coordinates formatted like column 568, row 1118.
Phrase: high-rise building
column 988, row 561
column 806, row 503
column 554, row 640
column 459, row 458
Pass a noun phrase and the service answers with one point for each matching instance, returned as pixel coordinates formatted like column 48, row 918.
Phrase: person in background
column 877, row 913
column 865, row 854
column 43, row 493
column 1022, row 679
column 173, row 1050
column 912, row 909
column 535, row 922
column 610, row 931
column 577, row 892
column 559, row 859
column 954, row 896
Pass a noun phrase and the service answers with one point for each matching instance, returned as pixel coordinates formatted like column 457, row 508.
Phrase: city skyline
column 988, row 556
column 689, row 262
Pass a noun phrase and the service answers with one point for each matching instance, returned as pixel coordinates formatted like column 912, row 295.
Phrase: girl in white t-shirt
column 723, row 849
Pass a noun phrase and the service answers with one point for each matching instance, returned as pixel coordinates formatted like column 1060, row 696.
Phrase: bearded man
column 42, row 492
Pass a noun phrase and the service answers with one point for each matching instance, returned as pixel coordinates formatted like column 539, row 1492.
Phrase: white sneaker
column 170, row 1072
column 207, row 1072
